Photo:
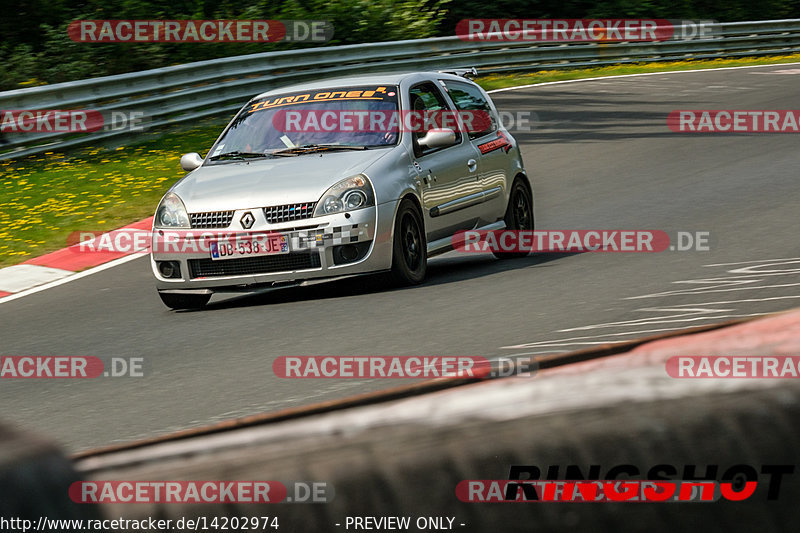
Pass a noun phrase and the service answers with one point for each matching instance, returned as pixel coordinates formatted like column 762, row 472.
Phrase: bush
column 36, row 49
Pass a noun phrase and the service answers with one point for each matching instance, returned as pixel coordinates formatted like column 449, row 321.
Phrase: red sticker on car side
column 501, row 142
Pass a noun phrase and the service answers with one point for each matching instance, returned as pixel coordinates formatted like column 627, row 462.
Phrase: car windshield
column 363, row 116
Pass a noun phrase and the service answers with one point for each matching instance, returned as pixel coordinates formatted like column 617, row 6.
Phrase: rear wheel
column 519, row 215
column 184, row 301
column 409, row 248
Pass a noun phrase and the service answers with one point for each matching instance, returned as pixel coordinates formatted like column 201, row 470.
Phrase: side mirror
column 191, row 161
column 436, row 138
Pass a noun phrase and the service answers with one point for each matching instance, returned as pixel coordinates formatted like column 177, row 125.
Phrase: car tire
column 184, row 301
column 409, row 246
column 519, row 215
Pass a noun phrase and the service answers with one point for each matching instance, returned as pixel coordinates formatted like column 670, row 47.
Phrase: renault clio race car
column 339, row 177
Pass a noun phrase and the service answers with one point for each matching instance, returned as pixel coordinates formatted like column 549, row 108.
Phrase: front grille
column 214, row 219
column 265, row 264
column 288, row 212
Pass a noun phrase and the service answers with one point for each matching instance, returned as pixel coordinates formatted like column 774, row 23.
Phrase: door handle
column 472, row 165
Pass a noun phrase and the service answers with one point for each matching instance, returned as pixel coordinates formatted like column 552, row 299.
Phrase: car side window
column 426, row 99
column 479, row 119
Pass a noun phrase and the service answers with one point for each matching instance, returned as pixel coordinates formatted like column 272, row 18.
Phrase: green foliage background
column 35, row 48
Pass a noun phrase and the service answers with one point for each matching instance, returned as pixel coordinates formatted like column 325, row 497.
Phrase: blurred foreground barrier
column 34, row 479
column 405, row 457
column 184, row 93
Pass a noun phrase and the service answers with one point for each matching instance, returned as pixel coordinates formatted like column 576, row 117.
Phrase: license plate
column 251, row 246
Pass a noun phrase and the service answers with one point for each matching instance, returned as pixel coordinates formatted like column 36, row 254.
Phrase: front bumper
column 312, row 245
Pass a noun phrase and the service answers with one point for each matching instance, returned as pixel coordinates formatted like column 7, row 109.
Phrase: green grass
column 46, row 197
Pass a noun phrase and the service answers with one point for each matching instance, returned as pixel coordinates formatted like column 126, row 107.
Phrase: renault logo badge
column 247, row 220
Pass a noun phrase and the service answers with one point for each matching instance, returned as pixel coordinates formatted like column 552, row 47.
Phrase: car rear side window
column 426, row 98
column 479, row 118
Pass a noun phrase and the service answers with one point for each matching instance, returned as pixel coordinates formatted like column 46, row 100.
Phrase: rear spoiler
column 463, row 72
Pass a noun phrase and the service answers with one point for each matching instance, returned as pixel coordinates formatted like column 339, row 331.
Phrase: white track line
column 785, row 260
column 77, row 275
column 18, row 278
column 633, row 76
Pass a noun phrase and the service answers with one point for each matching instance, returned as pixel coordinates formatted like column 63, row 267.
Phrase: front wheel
column 519, row 216
column 184, row 301
column 409, row 247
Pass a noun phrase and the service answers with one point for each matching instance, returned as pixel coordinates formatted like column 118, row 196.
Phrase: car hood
column 266, row 182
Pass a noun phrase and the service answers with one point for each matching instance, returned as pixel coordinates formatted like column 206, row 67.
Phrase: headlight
column 349, row 194
column 171, row 213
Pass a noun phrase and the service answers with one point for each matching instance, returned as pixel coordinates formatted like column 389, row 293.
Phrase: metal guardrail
column 187, row 92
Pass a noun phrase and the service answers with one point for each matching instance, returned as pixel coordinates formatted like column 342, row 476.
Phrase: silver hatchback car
column 339, row 177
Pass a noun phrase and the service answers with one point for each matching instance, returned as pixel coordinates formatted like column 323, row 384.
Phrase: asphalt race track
column 602, row 157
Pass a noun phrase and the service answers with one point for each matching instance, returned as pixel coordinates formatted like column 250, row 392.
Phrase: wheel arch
column 523, row 177
column 411, row 196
